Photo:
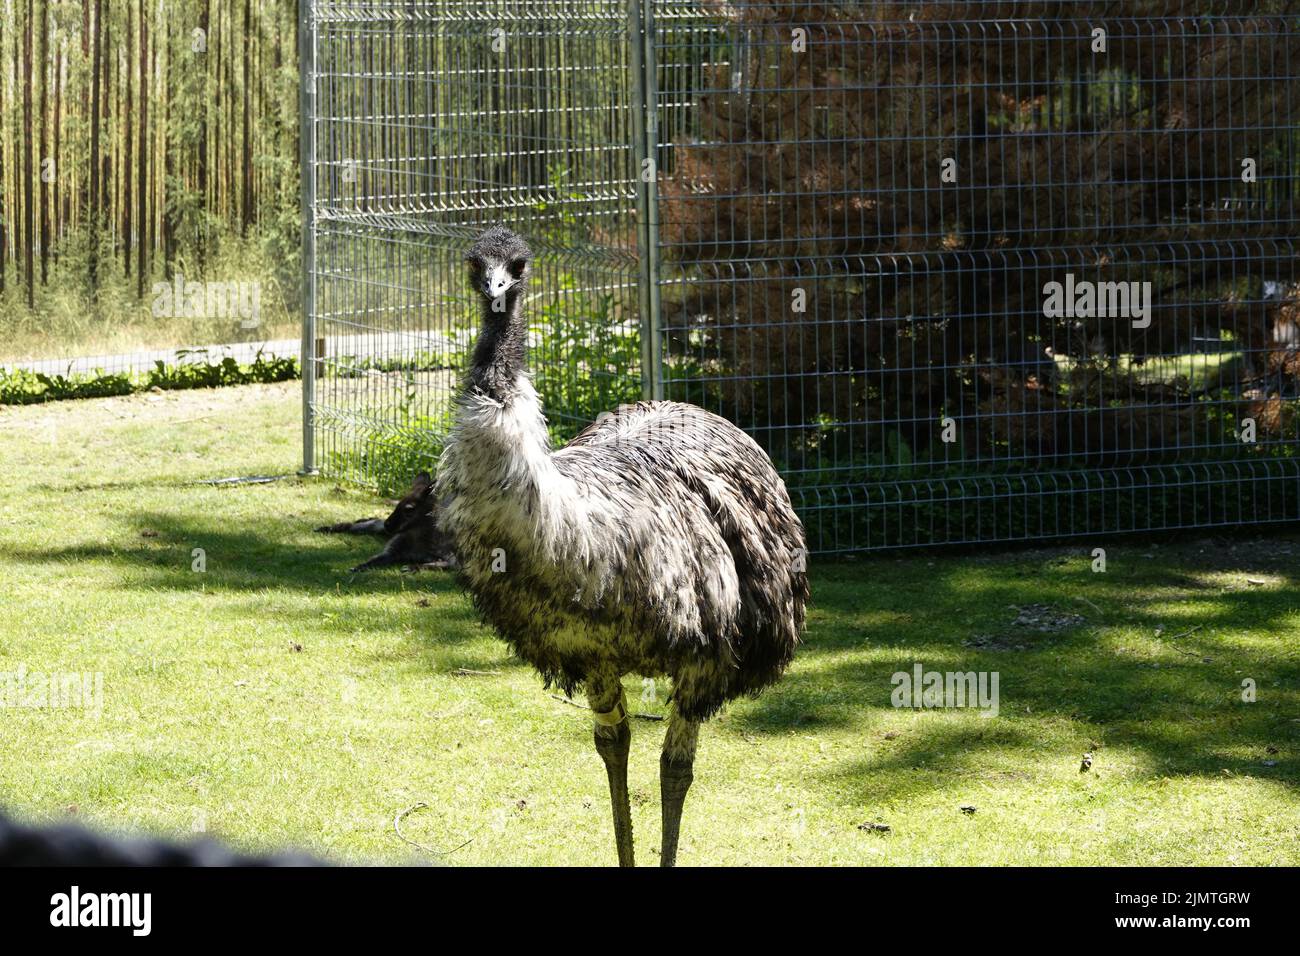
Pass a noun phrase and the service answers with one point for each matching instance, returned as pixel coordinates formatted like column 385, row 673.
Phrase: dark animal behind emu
column 413, row 529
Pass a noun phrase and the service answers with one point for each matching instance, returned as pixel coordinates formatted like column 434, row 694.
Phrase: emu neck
column 498, row 461
column 502, row 351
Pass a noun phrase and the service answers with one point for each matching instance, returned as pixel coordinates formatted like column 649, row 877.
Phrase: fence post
column 307, row 167
column 646, row 137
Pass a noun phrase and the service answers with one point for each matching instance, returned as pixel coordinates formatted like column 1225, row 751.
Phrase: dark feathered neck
column 501, row 354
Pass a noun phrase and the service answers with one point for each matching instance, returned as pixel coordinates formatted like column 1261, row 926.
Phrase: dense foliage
column 24, row 387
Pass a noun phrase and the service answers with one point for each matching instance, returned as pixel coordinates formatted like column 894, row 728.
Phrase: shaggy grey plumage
column 659, row 542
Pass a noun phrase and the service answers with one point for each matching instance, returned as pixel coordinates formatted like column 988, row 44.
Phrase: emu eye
column 517, row 268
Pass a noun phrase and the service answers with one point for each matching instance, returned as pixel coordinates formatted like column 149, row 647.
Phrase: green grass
column 211, row 716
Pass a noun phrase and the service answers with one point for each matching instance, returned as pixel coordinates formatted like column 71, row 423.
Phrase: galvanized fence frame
column 922, row 395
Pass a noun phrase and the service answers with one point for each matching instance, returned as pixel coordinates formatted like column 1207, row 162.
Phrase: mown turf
column 275, row 700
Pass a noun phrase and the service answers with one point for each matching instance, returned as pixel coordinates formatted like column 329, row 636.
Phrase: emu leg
column 676, row 771
column 613, row 741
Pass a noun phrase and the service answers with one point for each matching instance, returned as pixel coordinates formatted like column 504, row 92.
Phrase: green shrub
column 225, row 372
column 24, row 387
column 586, row 361
column 389, row 458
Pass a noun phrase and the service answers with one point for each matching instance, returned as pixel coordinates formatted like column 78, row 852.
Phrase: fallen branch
column 397, row 828
column 1089, row 603
column 1182, row 650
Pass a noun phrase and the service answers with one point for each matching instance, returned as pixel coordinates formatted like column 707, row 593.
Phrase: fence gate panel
column 428, row 121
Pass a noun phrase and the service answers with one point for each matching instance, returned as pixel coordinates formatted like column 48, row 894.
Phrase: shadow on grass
column 1109, row 681
column 249, row 556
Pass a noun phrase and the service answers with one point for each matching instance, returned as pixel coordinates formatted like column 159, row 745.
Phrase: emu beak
column 496, row 282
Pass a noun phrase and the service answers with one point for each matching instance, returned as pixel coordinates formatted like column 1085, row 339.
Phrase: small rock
column 968, row 808
column 871, row 827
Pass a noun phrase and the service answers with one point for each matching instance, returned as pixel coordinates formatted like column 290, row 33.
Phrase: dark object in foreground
column 414, row 539
column 70, row 845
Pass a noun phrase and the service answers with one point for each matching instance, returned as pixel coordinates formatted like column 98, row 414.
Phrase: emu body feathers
column 659, row 542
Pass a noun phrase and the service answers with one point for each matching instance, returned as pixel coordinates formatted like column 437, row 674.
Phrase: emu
column 659, row 542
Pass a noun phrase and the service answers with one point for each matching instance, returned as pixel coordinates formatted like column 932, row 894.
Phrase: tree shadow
column 249, row 555
column 1175, row 698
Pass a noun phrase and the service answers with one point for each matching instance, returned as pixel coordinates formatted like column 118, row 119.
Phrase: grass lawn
column 274, row 700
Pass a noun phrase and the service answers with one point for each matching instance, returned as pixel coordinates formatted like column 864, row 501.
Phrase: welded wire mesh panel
column 429, row 121
column 987, row 271
column 968, row 271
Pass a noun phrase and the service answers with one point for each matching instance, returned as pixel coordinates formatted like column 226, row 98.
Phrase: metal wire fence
column 968, row 271
column 428, row 120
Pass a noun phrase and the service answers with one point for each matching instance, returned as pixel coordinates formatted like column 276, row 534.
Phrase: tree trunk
column 92, row 204
column 106, row 155
column 246, row 216
column 150, row 91
column 4, row 231
column 214, row 105
column 128, row 145
column 29, row 212
column 232, row 154
column 44, row 59
column 56, row 205
column 201, row 236
column 142, row 184
column 16, row 216
column 168, row 225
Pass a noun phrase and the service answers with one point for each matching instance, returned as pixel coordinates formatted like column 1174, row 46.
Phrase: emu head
column 498, row 265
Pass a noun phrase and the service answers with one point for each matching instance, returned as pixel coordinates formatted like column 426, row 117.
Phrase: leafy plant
column 588, row 361
column 226, row 372
column 25, row 387
column 390, row 458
